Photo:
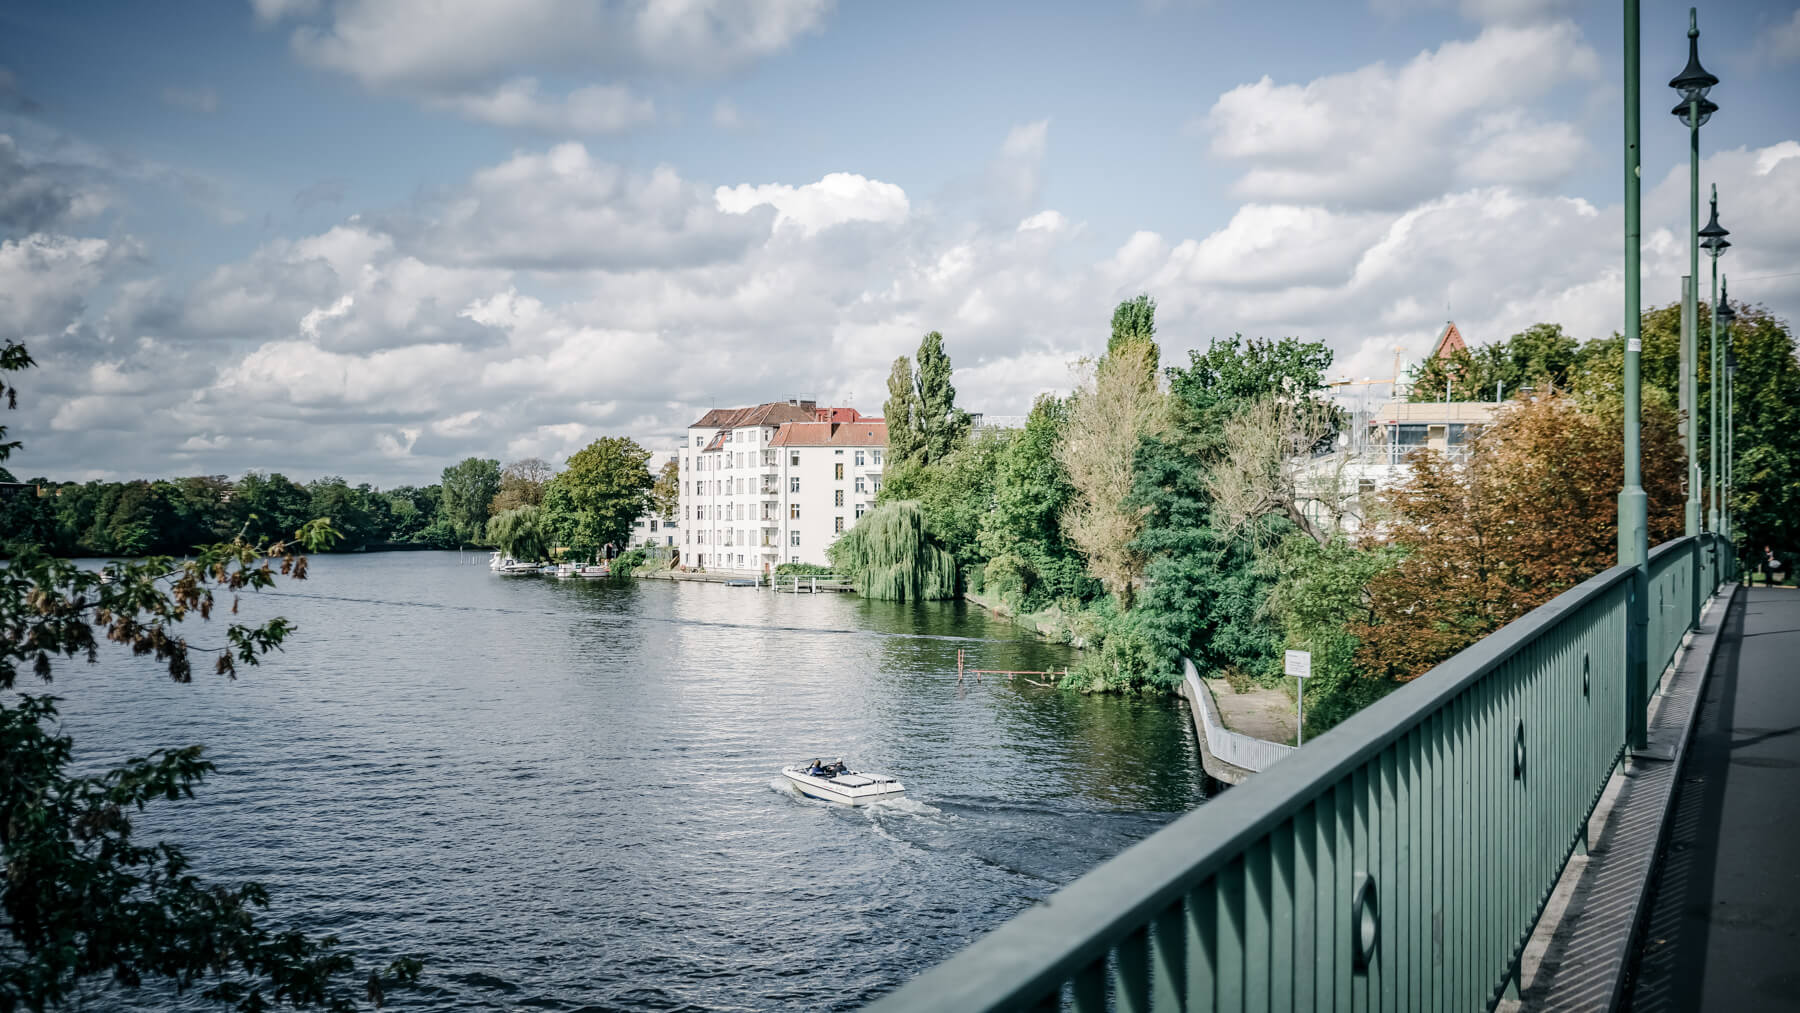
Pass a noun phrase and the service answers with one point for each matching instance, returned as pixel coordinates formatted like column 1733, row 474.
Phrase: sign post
column 1299, row 665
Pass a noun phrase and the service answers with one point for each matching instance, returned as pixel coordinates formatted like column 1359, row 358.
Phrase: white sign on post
column 1299, row 665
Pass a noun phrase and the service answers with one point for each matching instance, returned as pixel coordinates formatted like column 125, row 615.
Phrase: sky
column 370, row 238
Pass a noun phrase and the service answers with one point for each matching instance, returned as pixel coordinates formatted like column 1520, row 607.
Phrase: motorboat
column 593, row 571
column 834, row 782
column 501, row 563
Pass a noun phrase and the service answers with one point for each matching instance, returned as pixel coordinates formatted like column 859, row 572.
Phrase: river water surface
column 565, row 795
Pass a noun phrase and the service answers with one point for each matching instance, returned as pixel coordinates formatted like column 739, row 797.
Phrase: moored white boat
column 835, row 782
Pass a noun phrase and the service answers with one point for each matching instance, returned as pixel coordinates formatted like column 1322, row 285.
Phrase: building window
column 793, row 511
column 839, row 475
column 794, row 484
column 875, row 455
column 875, row 482
column 794, row 458
column 859, row 459
column 840, row 525
column 859, row 511
column 794, row 539
column 838, row 495
column 793, row 559
column 652, row 524
column 860, row 484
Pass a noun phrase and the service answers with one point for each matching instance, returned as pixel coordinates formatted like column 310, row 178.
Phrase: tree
column 1206, row 589
column 1031, row 562
column 1541, row 357
column 1319, row 596
column 889, row 556
column 665, row 495
column 955, row 494
column 1133, row 320
column 1118, row 403
column 941, row 424
column 468, row 488
column 594, row 501
column 521, row 484
column 84, row 903
column 906, row 439
column 1271, row 466
column 1533, row 513
column 520, row 533
column 348, row 509
column 271, row 506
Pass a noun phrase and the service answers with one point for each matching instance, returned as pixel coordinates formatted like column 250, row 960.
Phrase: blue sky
column 370, row 238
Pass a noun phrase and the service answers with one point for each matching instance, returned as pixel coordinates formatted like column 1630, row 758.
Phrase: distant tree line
column 590, row 504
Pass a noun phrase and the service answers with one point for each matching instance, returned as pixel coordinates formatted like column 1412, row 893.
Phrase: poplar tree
column 941, row 424
column 902, row 413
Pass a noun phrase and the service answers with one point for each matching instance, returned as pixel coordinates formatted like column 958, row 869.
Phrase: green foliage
column 629, row 562
column 468, row 488
column 942, row 426
column 1235, row 372
column 665, row 495
column 594, row 501
column 924, row 424
column 1134, row 320
column 1541, row 357
column 1318, row 595
column 1030, row 562
column 955, row 494
column 889, row 556
column 522, row 533
column 86, row 906
column 906, row 437
column 802, row 570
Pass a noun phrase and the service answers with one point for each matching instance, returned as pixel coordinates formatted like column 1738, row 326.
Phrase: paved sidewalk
column 1724, row 928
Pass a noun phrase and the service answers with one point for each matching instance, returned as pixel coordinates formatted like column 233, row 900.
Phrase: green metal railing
column 1400, row 861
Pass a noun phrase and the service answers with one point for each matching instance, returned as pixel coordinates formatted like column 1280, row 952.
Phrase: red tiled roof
column 773, row 413
column 1451, row 340
column 861, row 433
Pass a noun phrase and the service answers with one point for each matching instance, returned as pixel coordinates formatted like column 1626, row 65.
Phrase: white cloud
column 1779, row 44
column 45, row 281
column 562, row 209
column 1381, row 137
column 838, row 198
column 725, row 115
column 1044, row 221
column 466, row 55
column 595, row 109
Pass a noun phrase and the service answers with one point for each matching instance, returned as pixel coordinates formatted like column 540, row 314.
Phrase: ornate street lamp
column 1713, row 241
column 1693, row 83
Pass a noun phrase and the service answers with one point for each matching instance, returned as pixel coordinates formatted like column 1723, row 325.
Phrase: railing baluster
column 1131, row 972
column 1088, row 988
column 1168, row 960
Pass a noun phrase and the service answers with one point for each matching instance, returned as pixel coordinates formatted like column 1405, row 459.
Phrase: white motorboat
column 593, row 571
column 506, row 564
column 835, row 782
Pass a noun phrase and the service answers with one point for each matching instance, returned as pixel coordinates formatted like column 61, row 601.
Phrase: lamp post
column 1714, row 242
column 1634, row 523
column 1726, row 316
column 1694, row 110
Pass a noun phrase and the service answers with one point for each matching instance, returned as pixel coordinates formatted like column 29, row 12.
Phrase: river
column 565, row 795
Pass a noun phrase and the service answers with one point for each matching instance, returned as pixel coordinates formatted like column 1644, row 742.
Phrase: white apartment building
column 652, row 529
column 775, row 483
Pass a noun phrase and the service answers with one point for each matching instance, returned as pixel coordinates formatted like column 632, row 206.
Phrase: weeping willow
column 889, row 556
column 520, row 533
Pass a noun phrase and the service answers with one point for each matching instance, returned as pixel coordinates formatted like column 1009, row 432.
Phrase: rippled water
column 565, row 795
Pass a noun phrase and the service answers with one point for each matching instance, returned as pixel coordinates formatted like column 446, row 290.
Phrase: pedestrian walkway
column 1724, row 926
